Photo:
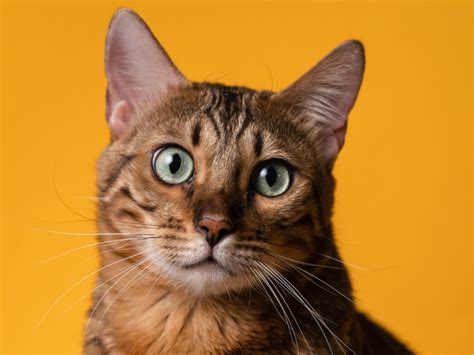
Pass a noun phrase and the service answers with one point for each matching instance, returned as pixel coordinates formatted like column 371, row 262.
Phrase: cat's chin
column 208, row 265
column 208, row 278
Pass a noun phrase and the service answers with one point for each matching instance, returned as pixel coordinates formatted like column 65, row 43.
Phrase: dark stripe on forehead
column 210, row 111
column 258, row 144
column 126, row 192
column 231, row 102
column 123, row 162
column 196, row 134
column 248, row 117
column 230, row 110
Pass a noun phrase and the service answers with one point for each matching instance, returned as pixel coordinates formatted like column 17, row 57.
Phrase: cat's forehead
column 227, row 127
column 229, row 110
column 223, row 115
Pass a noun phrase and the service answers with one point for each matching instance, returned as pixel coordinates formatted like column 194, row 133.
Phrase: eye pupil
column 172, row 165
column 175, row 163
column 271, row 176
column 272, row 179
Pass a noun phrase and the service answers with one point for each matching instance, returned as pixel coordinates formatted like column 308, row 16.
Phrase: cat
column 214, row 211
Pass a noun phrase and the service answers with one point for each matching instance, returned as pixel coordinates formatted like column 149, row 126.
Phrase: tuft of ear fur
column 137, row 68
column 325, row 95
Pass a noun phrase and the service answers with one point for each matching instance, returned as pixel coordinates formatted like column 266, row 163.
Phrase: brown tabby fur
column 227, row 130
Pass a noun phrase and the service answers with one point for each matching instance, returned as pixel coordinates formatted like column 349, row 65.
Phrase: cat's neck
column 171, row 320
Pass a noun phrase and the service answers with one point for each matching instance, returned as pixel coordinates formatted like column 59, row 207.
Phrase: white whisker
column 291, row 313
column 283, row 316
column 90, row 234
column 301, row 271
column 85, row 247
column 300, row 298
column 138, row 277
column 305, row 263
column 343, row 262
column 309, row 307
column 78, row 283
column 130, row 269
column 95, row 289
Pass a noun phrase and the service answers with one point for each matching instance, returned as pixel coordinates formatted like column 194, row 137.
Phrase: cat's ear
column 137, row 67
column 325, row 95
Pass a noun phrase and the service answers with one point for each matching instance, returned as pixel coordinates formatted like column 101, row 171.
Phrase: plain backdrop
column 404, row 197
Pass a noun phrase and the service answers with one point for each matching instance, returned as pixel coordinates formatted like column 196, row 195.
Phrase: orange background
column 404, row 195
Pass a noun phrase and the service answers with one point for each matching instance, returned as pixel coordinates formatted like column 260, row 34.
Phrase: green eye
column 173, row 165
column 272, row 178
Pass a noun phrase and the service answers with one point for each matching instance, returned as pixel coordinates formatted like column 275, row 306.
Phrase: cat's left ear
column 324, row 96
column 138, row 70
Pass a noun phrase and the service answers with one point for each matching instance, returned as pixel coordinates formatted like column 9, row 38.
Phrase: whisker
column 96, row 287
column 68, row 252
column 250, row 284
column 91, row 234
column 283, row 316
column 289, row 287
column 130, row 269
column 291, row 313
column 125, row 223
column 78, row 283
column 133, row 224
column 138, row 277
column 61, row 222
column 343, row 262
column 303, row 272
column 282, row 258
column 58, row 195
column 324, row 282
column 93, row 198
column 306, row 277
column 308, row 304
column 153, row 284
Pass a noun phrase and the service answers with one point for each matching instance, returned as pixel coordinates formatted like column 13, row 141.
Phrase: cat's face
column 209, row 183
column 221, row 179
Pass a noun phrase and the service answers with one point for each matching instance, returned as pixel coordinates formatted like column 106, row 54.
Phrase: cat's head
column 208, row 184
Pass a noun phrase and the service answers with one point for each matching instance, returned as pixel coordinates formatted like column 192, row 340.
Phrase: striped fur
column 281, row 288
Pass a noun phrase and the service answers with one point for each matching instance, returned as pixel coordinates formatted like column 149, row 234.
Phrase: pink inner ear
column 119, row 120
column 340, row 134
column 333, row 142
column 138, row 70
column 327, row 93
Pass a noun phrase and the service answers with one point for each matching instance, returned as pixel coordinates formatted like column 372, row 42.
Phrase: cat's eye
column 172, row 165
column 272, row 178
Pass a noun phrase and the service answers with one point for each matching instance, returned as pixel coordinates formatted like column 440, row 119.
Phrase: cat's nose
column 214, row 228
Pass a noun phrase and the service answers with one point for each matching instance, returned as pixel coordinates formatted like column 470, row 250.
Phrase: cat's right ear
column 137, row 67
column 323, row 97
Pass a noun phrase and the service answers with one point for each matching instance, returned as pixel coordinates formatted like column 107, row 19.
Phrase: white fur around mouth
column 208, row 263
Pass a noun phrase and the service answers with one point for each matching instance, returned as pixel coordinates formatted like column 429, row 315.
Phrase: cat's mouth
column 208, row 263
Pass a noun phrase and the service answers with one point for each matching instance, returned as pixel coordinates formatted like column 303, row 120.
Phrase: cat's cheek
column 287, row 207
column 270, row 211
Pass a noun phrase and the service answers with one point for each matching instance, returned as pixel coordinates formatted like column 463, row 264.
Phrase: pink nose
column 214, row 229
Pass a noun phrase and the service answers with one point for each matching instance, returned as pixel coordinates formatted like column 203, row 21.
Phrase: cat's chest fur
column 165, row 322
column 175, row 324
column 160, row 320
